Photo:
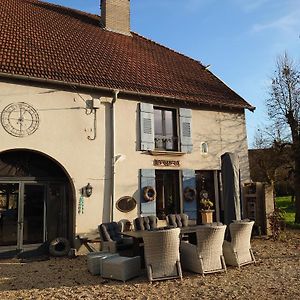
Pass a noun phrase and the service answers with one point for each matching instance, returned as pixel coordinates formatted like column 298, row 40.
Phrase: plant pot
column 207, row 216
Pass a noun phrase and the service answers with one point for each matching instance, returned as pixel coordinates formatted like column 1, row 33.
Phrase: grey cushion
column 121, row 268
column 95, row 260
column 177, row 220
column 145, row 223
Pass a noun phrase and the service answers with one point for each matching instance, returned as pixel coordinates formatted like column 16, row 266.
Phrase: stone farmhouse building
column 99, row 123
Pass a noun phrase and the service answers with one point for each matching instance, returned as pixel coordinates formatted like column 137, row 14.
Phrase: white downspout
column 115, row 98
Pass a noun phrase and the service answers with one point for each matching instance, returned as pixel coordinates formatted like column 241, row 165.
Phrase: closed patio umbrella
column 231, row 187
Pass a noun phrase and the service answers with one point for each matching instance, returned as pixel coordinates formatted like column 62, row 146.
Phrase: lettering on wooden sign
column 166, row 163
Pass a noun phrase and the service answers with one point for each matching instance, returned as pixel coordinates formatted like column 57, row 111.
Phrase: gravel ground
column 275, row 276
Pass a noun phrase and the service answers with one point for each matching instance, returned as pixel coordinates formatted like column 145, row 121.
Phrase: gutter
column 100, row 88
column 113, row 159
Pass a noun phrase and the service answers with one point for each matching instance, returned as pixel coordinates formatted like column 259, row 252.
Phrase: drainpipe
column 115, row 98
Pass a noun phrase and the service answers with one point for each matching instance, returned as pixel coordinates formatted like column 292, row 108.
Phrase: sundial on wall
column 20, row 119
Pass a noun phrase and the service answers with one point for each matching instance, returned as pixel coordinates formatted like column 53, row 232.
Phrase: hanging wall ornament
column 81, row 205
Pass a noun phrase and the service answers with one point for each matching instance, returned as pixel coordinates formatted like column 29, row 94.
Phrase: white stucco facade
column 63, row 131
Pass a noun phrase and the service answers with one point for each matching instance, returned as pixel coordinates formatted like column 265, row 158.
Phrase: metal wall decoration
column 126, row 204
column 189, row 194
column 166, row 163
column 20, row 119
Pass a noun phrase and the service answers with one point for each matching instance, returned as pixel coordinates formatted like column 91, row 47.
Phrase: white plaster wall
column 62, row 134
column 224, row 132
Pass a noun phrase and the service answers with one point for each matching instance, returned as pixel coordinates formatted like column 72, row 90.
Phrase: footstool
column 95, row 259
column 121, row 268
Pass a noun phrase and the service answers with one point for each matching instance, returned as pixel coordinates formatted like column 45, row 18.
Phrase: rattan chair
column 177, row 220
column 125, row 225
column 206, row 256
column 238, row 252
column 145, row 223
column 112, row 240
column 162, row 259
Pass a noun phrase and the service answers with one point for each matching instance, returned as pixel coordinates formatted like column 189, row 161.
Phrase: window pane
column 167, row 198
column 169, row 123
column 158, row 129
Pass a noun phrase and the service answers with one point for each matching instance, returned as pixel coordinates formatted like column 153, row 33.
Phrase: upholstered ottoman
column 95, row 259
column 121, row 268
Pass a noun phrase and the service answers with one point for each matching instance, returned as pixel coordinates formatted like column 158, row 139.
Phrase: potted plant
column 206, row 211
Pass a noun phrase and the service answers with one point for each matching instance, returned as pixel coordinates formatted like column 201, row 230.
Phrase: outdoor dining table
column 138, row 237
column 183, row 230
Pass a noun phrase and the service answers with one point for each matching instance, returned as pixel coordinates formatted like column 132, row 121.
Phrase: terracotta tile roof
column 43, row 40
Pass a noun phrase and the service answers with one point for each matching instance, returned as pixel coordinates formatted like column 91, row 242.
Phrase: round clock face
column 20, row 119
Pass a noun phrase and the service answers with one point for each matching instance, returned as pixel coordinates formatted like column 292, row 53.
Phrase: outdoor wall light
column 87, row 190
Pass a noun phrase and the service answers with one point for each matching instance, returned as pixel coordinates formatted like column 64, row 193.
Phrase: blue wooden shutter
column 185, row 120
column 147, row 126
column 147, row 178
column 189, row 180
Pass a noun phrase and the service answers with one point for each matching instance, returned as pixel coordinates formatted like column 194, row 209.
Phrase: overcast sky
column 240, row 39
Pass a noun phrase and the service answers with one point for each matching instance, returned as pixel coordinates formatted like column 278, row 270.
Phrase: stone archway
column 36, row 200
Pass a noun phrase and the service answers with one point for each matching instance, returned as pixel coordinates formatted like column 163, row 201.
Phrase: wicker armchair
column 124, row 225
column 162, row 257
column 238, row 252
column 206, row 256
column 112, row 239
column 145, row 223
column 177, row 220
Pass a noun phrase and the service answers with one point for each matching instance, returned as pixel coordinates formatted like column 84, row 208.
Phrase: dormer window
column 165, row 129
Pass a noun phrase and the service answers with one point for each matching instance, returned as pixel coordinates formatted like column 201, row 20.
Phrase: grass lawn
column 285, row 203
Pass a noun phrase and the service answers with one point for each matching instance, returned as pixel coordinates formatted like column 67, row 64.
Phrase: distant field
column 285, row 203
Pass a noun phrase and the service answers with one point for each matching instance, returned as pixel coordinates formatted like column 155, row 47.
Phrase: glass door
column 167, row 198
column 34, row 213
column 22, row 214
column 9, row 205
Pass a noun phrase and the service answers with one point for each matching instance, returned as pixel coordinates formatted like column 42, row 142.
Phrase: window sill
column 165, row 153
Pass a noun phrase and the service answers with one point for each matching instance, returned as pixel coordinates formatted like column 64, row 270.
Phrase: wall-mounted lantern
column 87, row 190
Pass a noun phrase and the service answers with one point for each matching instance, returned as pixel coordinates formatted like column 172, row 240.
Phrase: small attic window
column 204, row 148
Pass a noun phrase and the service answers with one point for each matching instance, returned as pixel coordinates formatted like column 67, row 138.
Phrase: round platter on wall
column 20, row 119
column 126, row 204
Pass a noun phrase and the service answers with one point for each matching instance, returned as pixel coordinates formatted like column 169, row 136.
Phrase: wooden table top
column 139, row 234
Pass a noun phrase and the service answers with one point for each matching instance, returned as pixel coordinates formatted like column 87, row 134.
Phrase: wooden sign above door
column 166, row 163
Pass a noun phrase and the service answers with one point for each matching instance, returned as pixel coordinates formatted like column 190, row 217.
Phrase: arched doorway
column 36, row 200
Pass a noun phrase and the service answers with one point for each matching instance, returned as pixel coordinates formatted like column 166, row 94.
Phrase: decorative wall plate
column 126, row 204
column 20, row 119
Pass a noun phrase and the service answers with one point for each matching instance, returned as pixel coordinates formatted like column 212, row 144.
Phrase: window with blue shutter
column 165, row 129
column 189, row 182
column 185, row 121
column 147, row 179
column 147, row 126
column 159, row 129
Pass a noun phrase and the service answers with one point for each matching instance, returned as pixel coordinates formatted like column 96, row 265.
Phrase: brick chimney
column 115, row 15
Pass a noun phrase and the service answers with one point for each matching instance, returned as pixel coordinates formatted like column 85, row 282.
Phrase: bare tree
column 269, row 162
column 284, row 112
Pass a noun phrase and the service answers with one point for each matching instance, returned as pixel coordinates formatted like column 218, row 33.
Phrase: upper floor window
column 165, row 129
